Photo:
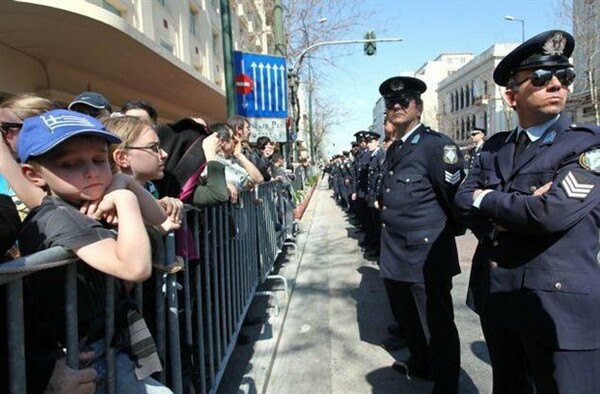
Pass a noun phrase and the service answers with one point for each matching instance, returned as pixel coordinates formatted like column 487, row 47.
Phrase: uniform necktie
column 522, row 143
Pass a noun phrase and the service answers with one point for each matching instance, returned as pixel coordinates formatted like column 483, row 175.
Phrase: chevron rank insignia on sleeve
column 452, row 178
column 575, row 189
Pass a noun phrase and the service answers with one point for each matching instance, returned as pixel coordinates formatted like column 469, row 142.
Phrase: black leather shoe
column 396, row 330
column 411, row 370
column 393, row 343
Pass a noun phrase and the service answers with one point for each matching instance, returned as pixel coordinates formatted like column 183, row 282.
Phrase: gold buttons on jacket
column 391, row 172
column 494, row 265
column 382, row 224
column 533, row 189
column 384, row 208
column 426, row 239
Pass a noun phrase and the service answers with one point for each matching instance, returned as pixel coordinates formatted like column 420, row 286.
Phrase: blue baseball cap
column 92, row 99
column 40, row 134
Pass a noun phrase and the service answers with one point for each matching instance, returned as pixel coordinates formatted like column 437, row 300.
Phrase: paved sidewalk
column 326, row 340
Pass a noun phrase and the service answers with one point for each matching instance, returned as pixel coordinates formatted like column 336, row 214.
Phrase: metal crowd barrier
column 204, row 281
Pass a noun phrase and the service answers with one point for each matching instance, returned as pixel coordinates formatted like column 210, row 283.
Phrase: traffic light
column 370, row 47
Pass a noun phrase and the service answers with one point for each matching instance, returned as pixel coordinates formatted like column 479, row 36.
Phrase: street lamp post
column 513, row 19
column 293, row 70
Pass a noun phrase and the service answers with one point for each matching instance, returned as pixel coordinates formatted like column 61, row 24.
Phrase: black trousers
column 427, row 315
column 521, row 364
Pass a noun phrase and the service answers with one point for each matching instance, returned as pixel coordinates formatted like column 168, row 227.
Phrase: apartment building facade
column 168, row 52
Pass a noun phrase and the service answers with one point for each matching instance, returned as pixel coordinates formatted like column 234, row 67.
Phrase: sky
column 428, row 28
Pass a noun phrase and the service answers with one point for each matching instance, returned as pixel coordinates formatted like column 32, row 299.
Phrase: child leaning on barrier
column 139, row 155
column 66, row 154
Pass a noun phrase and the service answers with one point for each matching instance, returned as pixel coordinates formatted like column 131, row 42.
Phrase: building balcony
column 481, row 100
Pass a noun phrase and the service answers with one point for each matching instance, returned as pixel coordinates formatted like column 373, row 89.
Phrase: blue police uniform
column 418, row 249
column 534, row 280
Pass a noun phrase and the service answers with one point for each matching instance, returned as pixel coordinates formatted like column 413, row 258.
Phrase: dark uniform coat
column 375, row 168
column 537, row 263
column 419, row 183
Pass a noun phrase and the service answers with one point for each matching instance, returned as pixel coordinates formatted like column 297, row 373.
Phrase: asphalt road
column 326, row 337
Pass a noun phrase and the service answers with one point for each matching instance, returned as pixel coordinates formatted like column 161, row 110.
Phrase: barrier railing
column 204, row 280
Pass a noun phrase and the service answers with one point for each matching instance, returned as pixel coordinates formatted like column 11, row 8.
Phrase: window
column 165, row 24
column 109, row 7
column 473, row 124
column 485, row 120
column 485, row 87
column 215, row 42
column 166, row 45
column 192, row 22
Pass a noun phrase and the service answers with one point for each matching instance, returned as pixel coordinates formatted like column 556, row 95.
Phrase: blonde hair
column 128, row 128
column 26, row 105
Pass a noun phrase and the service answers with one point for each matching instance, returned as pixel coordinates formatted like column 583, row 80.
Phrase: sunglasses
column 6, row 127
column 155, row 147
column 390, row 103
column 541, row 77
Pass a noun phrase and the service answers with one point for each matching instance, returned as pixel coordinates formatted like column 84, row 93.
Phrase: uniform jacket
column 375, row 168
column 419, row 183
column 361, row 165
column 536, row 264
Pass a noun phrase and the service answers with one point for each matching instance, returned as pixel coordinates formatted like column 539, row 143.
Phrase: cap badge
column 555, row 45
column 397, row 85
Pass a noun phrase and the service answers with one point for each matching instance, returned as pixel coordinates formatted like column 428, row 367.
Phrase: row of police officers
column 532, row 199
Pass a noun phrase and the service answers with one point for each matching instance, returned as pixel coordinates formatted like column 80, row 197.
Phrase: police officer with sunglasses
column 533, row 201
column 418, row 255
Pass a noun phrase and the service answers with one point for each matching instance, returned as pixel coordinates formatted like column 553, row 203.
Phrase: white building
column 469, row 97
column 432, row 73
column 165, row 51
column 586, row 59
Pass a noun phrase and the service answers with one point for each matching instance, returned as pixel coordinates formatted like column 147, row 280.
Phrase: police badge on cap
column 548, row 49
column 402, row 86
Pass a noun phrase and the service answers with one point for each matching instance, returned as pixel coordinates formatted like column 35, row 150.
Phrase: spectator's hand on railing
column 173, row 207
column 65, row 380
column 233, row 194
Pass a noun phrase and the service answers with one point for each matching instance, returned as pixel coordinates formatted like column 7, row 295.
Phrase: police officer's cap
column 346, row 153
column 548, row 49
column 477, row 130
column 401, row 87
column 360, row 135
column 371, row 135
column 354, row 144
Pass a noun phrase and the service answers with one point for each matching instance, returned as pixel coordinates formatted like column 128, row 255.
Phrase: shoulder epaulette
column 586, row 128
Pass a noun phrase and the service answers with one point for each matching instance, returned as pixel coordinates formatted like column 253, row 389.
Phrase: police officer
column 374, row 166
column 534, row 203
column 477, row 137
column 359, row 182
column 418, row 249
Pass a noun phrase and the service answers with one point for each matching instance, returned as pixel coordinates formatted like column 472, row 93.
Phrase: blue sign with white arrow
column 261, row 85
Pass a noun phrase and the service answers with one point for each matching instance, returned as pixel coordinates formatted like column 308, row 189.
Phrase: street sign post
column 261, row 93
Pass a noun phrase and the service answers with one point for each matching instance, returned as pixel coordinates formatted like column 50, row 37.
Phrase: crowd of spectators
column 69, row 176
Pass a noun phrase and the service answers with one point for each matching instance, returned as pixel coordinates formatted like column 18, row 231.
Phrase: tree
column 584, row 15
column 306, row 22
column 326, row 116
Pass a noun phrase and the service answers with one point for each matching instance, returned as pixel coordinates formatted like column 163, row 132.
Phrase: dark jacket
column 419, row 183
column 537, row 257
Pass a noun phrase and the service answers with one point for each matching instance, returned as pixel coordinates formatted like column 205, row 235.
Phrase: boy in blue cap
column 66, row 154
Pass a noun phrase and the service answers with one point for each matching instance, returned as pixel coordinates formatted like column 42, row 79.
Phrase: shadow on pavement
column 479, row 348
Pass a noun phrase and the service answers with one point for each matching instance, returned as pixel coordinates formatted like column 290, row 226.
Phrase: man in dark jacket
column 418, row 249
column 533, row 200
